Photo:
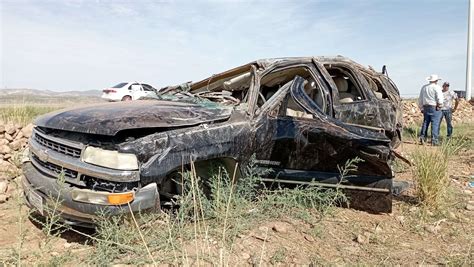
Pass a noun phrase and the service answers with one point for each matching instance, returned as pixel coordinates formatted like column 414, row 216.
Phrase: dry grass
column 461, row 131
column 203, row 230
column 185, row 238
column 23, row 114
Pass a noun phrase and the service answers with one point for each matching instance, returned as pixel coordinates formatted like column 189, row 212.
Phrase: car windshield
column 120, row 85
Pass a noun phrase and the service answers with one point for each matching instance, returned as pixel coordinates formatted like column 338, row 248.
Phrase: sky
column 93, row 44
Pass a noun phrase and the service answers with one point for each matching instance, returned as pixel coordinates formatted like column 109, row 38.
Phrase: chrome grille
column 103, row 185
column 64, row 149
column 55, row 169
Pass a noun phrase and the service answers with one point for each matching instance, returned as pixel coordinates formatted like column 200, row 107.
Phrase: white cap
column 433, row 78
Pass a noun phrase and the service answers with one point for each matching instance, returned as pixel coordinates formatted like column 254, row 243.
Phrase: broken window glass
column 347, row 86
column 273, row 81
column 376, row 87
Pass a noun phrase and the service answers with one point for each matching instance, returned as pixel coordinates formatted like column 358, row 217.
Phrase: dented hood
column 110, row 118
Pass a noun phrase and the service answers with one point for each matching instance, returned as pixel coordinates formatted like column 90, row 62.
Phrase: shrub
column 431, row 176
column 431, row 172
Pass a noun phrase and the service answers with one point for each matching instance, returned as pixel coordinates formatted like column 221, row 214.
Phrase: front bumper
column 79, row 213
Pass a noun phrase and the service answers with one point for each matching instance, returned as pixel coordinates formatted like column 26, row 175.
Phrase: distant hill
column 26, row 91
column 37, row 96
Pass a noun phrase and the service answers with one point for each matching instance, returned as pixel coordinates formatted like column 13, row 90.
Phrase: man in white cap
column 430, row 103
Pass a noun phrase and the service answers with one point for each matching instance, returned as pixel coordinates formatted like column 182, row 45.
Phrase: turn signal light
column 120, row 199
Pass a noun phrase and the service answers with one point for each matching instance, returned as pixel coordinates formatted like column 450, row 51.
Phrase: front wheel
column 177, row 183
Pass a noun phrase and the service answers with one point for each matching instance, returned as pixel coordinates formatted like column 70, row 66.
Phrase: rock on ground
column 280, row 227
column 27, row 130
column 4, row 149
column 3, row 187
column 10, row 129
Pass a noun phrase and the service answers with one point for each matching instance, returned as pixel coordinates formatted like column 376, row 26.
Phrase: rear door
column 148, row 90
column 137, row 91
column 386, row 97
column 134, row 90
column 353, row 102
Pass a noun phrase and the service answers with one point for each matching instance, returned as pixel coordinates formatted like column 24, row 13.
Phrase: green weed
column 279, row 256
column 431, row 172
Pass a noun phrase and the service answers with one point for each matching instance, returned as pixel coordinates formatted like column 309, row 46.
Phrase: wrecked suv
column 300, row 117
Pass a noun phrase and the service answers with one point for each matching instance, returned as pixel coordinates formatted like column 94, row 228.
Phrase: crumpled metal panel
column 164, row 152
column 321, row 143
column 110, row 118
column 386, row 113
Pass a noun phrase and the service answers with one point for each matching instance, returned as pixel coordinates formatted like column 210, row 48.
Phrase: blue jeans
column 433, row 116
column 448, row 116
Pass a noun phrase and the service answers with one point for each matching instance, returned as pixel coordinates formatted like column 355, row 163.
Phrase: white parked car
column 128, row 91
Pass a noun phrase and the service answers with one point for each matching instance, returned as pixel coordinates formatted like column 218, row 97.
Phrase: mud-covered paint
column 110, row 118
column 170, row 134
column 318, row 145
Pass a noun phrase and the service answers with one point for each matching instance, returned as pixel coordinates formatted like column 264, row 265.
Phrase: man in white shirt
column 430, row 103
column 447, row 108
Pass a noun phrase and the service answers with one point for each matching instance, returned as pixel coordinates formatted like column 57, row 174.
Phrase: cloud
column 122, row 10
column 79, row 45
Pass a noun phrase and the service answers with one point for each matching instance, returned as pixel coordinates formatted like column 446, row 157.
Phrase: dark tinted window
column 120, row 85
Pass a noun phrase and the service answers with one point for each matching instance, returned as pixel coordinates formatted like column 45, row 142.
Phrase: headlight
column 110, row 159
column 102, row 198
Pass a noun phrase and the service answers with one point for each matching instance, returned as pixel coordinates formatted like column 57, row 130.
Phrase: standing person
column 447, row 108
column 430, row 102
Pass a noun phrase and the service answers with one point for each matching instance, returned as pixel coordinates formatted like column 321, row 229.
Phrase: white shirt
column 430, row 94
column 448, row 96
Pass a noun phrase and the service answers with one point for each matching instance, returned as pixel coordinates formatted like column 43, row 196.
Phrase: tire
column 127, row 98
column 172, row 184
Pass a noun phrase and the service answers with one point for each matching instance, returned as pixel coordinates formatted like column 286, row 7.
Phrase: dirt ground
column 408, row 235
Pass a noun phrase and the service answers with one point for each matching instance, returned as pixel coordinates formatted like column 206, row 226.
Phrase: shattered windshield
column 188, row 98
column 226, row 89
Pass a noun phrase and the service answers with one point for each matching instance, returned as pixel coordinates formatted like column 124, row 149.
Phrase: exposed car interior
column 376, row 87
column 273, row 81
column 234, row 89
column 295, row 110
column 346, row 84
column 229, row 90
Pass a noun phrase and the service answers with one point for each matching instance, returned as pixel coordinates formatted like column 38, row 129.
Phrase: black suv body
column 300, row 117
